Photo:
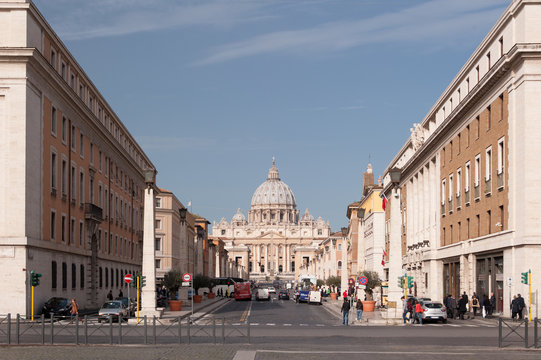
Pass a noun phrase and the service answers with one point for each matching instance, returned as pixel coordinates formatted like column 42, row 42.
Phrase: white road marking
column 270, row 324
column 303, row 324
column 254, row 324
column 361, row 352
column 320, row 325
column 287, row 324
column 245, row 355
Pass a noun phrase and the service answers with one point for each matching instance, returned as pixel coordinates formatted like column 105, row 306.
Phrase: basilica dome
column 273, row 191
column 238, row 217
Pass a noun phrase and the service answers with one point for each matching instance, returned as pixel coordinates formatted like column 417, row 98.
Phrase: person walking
column 485, row 303
column 120, row 293
column 418, row 313
column 345, row 294
column 345, row 312
column 492, row 304
column 404, row 310
column 110, row 295
column 359, row 307
column 74, row 311
column 514, row 308
column 462, row 306
column 521, row 305
column 452, row 307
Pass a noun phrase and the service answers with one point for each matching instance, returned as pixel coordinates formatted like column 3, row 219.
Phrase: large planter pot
column 175, row 305
column 210, row 295
column 334, row 296
column 197, row 298
column 368, row 306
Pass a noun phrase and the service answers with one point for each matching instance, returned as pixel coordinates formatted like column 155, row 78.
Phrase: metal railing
column 16, row 330
column 515, row 333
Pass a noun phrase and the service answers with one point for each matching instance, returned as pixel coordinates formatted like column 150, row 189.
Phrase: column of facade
column 267, row 258
column 217, row 263
column 277, row 260
column 149, row 264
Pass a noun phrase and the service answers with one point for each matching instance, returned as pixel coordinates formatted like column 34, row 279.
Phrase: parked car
column 56, row 306
column 434, row 311
column 129, row 304
column 262, row 294
column 114, row 309
column 272, row 290
column 283, row 294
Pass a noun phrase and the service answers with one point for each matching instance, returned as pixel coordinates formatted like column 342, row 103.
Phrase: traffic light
column 410, row 282
column 142, row 281
column 401, row 282
column 34, row 278
column 524, row 277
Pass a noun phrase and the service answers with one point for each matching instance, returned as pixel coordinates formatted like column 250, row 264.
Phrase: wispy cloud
column 437, row 19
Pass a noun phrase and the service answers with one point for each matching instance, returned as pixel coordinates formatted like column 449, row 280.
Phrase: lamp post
column 345, row 275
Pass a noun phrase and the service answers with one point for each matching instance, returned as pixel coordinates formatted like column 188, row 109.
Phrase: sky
column 213, row 89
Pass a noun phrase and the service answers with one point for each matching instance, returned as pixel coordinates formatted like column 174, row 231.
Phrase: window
column 81, row 91
column 64, row 129
column 501, row 107
column 91, row 154
column 468, row 136
column 158, row 263
column 339, row 265
column 101, row 277
column 468, row 84
column 501, row 153
column 73, row 276
column 117, row 277
column 53, row 225
column 100, row 191
column 467, row 178
column 451, row 151
column 82, row 276
column 451, row 187
column 53, row 121
column 53, row 275
column 158, row 244
column 501, row 219
column 73, row 140
column 106, row 277
column 158, row 202
column 320, row 232
column 81, row 233
column 478, row 219
column 458, row 181
column 489, row 117
column 339, row 246
column 99, row 160
column 64, row 275
column 443, row 157
column 81, row 145
column 72, row 81
column 73, row 183
column 443, row 191
column 223, row 232
column 488, row 60
column 458, row 143
column 158, row 224
column 81, row 187
column 477, row 170
column 53, row 171
column 488, row 163
column 63, row 227
column 468, row 228
column 72, row 231
column 489, row 222
column 459, row 96
column 64, row 177
column 477, row 125
column 53, row 58
column 477, row 73
column 63, row 71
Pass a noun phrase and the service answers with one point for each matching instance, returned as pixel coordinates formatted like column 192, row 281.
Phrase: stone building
column 275, row 241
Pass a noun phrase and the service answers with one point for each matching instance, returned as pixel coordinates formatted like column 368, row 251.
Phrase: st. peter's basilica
column 274, row 242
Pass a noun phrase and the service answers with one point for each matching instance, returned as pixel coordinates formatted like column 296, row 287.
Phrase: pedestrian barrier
column 536, row 339
column 513, row 333
column 148, row 330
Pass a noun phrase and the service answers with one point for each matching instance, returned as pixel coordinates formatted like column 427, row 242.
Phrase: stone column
column 149, row 267
column 395, row 250
column 284, row 258
column 267, row 259
column 345, row 275
column 217, row 264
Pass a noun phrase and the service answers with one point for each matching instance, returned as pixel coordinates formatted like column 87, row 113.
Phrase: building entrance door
column 451, row 279
column 489, row 278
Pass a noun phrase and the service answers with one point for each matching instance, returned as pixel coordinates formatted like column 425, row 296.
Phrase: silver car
column 434, row 310
column 113, row 309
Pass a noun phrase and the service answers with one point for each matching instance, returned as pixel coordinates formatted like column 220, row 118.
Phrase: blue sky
column 213, row 89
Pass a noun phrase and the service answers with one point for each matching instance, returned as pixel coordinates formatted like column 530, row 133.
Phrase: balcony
column 488, row 187
column 458, row 201
column 499, row 181
column 467, row 197
column 93, row 212
column 476, row 192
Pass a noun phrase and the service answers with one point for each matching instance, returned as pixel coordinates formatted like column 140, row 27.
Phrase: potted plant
column 373, row 281
column 200, row 281
column 211, row 294
column 333, row 282
column 172, row 281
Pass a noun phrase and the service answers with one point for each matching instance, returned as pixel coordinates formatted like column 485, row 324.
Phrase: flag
column 383, row 200
column 383, row 258
column 189, row 203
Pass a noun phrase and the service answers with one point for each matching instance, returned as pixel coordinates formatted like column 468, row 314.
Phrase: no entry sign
column 186, row 277
column 127, row 278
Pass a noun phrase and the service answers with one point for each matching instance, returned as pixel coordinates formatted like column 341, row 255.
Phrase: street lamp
column 182, row 214
column 360, row 213
column 344, row 231
column 150, row 177
column 395, row 175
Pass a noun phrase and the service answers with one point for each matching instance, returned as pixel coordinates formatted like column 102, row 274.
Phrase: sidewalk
column 199, row 310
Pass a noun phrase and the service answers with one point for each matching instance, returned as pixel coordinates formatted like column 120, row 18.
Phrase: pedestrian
column 110, row 295
column 120, row 293
column 453, row 306
column 418, row 313
column 345, row 294
column 475, row 304
column 514, row 308
column 404, row 309
column 359, row 307
column 521, row 305
column 486, row 306
column 345, row 312
column 462, row 303
column 74, row 311
column 492, row 304
column 411, row 309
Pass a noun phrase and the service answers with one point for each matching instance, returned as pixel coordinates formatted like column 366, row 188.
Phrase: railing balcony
column 476, row 192
column 93, row 212
column 467, row 197
column 500, row 181
column 458, row 201
column 488, row 187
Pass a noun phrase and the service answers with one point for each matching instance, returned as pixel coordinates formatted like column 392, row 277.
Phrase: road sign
column 361, row 286
column 127, row 278
column 185, row 283
column 362, row 280
column 186, row 277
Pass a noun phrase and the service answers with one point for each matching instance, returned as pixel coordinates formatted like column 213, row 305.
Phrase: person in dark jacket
column 452, row 307
column 492, row 304
column 359, row 307
column 521, row 305
column 514, row 308
column 345, row 312
column 462, row 303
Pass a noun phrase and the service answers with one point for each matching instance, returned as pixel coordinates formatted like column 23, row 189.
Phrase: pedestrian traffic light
column 524, row 277
column 401, row 282
column 410, row 282
column 142, row 281
column 34, row 278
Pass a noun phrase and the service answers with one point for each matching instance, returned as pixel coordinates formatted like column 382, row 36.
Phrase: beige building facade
column 463, row 211
column 71, row 203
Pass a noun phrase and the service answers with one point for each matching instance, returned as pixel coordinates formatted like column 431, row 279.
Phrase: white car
column 314, row 297
column 272, row 290
column 262, row 294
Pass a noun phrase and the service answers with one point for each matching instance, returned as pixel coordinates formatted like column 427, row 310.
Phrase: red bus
column 243, row 291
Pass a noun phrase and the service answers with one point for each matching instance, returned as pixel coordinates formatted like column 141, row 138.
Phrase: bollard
column 17, row 329
column 248, row 331
column 188, row 329
column 500, row 321
column 214, row 329
column 52, row 329
column 179, row 331
column 9, row 328
column 223, row 330
column 119, row 330
column 535, row 333
column 77, row 329
column 110, row 330
column 154, row 329
column 146, row 334
column 42, row 329
column 86, row 330
column 526, row 333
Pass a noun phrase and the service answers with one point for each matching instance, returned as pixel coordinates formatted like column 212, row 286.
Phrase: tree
column 320, row 283
column 334, row 281
column 372, row 283
column 172, row 281
column 201, row 281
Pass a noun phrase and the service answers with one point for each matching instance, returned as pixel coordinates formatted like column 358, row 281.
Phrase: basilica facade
column 275, row 241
